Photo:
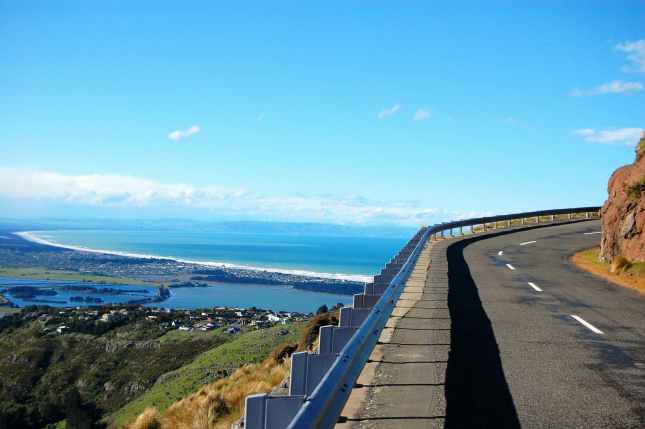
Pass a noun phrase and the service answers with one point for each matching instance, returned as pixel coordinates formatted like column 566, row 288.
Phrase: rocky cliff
column 623, row 214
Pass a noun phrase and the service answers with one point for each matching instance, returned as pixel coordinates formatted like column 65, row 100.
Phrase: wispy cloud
column 635, row 54
column 625, row 136
column 613, row 87
column 422, row 114
column 183, row 134
column 118, row 191
column 389, row 111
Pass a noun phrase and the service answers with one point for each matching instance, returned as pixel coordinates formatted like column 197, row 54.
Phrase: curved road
column 537, row 343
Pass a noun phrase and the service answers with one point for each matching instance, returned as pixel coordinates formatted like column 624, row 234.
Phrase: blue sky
column 350, row 112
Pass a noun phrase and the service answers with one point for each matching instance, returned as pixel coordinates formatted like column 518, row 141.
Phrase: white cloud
column 626, row 136
column 117, row 191
column 422, row 114
column 389, row 111
column 635, row 53
column 183, row 134
column 613, row 87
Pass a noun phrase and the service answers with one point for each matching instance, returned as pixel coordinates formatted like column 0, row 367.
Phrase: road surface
column 537, row 343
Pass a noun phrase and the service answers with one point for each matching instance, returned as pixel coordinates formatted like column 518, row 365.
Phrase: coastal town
column 96, row 320
column 15, row 251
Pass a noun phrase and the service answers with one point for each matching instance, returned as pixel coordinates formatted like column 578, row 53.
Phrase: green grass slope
column 248, row 347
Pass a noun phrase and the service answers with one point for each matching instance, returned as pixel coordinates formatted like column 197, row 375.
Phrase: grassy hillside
column 218, row 362
column 94, row 368
column 219, row 404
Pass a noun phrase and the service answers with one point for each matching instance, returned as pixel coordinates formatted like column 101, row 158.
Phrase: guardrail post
column 570, row 216
column 254, row 411
column 508, row 223
column 523, row 221
column 537, row 219
column 586, row 215
column 552, row 218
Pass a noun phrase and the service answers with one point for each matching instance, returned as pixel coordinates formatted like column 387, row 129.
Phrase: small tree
column 322, row 309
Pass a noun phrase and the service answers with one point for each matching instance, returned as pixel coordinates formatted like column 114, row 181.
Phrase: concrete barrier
column 332, row 339
column 264, row 411
column 307, row 369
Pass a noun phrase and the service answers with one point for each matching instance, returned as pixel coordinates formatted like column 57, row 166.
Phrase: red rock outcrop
column 623, row 214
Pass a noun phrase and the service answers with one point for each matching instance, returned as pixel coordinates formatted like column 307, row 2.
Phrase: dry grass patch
column 219, row 404
column 149, row 419
column 621, row 271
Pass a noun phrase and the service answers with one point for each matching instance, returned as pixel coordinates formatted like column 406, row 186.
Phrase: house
column 233, row 330
column 107, row 317
column 273, row 317
column 184, row 328
column 61, row 329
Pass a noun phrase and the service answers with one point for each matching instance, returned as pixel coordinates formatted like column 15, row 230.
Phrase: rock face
column 623, row 214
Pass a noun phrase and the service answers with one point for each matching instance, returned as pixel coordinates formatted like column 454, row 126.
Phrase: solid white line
column 527, row 242
column 595, row 232
column 534, row 286
column 500, row 253
column 510, row 267
column 587, row 324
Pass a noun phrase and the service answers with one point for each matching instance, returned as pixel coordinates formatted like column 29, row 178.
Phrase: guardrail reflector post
column 586, row 215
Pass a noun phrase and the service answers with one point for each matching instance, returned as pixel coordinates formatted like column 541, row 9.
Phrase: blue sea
column 343, row 253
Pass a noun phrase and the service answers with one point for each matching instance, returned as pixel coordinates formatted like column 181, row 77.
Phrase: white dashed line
column 587, row 324
column 510, row 267
column 527, row 242
column 534, row 286
column 595, row 232
column 500, row 253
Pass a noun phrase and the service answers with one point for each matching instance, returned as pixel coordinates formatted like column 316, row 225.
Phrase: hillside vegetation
column 218, row 362
column 221, row 403
column 92, row 369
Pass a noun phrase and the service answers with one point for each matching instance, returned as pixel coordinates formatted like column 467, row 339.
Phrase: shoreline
column 32, row 236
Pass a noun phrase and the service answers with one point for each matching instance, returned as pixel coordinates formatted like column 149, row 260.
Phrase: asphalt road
column 519, row 358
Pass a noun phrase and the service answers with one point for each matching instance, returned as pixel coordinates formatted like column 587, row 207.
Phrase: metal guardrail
column 321, row 382
column 324, row 406
column 524, row 218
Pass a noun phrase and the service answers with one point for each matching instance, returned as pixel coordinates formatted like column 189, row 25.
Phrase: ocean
column 356, row 257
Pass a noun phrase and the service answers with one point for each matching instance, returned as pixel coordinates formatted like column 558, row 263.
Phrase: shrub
column 640, row 149
column 149, row 419
column 283, row 352
column 636, row 190
column 619, row 264
column 310, row 332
